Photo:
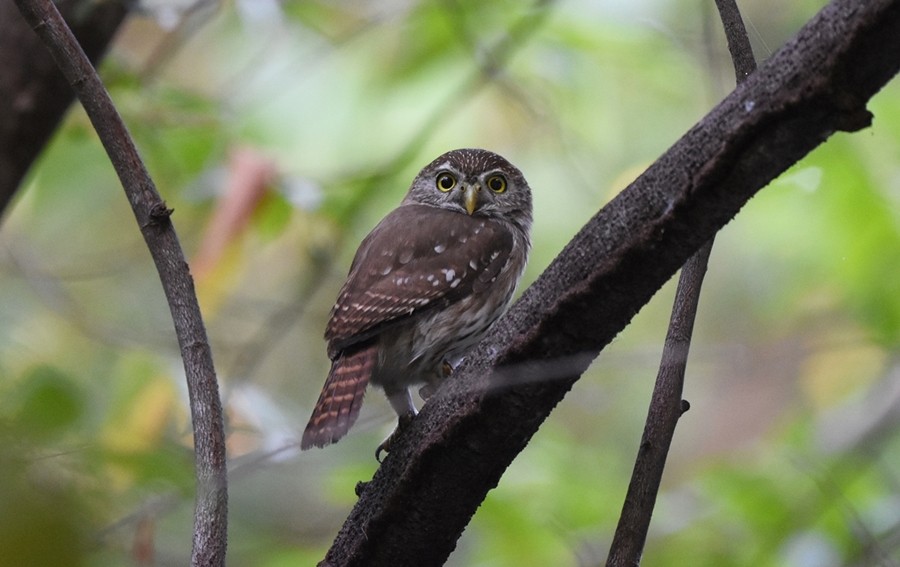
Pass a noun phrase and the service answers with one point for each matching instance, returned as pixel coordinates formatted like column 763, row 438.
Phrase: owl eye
column 496, row 183
column 446, row 181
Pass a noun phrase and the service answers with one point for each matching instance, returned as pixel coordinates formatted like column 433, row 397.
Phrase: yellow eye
column 445, row 181
column 496, row 183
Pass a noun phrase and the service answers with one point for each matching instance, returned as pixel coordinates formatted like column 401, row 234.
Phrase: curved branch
column 210, row 513
column 443, row 465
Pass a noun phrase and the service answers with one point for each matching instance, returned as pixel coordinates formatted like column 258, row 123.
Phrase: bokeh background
column 280, row 132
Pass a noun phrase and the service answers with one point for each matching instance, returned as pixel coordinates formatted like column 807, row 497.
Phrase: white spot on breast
column 494, row 255
column 455, row 282
column 464, row 238
column 438, row 248
column 386, row 270
column 473, row 264
column 430, row 278
column 449, row 274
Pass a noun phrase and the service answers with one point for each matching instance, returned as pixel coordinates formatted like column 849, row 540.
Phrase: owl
column 424, row 287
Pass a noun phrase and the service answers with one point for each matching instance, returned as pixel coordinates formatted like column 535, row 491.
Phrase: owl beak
column 470, row 197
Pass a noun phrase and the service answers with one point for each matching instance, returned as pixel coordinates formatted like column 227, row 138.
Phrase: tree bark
column 441, row 468
column 34, row 96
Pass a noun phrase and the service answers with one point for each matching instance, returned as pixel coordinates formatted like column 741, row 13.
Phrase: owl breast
column 447, row 334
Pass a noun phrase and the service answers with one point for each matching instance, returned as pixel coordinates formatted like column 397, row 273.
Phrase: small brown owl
column 425, row 286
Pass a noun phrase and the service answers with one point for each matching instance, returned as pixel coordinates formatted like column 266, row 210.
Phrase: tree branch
column 441, row 468
column 34, row 95
column 666, row 407
column 666, row 404
column 210, row 514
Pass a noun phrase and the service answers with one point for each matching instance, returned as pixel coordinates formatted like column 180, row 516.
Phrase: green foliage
column 789, row 453
column 46, row 404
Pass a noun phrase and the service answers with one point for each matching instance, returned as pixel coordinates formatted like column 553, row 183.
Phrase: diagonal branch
column 210, row 513
column 440, row 470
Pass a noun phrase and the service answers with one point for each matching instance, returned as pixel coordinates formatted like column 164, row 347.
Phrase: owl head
column 474, row 182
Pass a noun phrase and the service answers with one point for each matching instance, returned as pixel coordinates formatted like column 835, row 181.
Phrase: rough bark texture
column 439, row 471
column 34, row 96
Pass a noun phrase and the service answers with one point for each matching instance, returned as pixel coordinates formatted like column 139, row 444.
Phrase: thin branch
column 666, row 404
column 210, row 514
column 738, row 41
column 666, row 407
column 441, row 468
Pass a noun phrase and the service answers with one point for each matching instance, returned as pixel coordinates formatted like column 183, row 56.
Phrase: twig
column 210, row 513
column 666, row 404
column 738, row 42
column 429, row 486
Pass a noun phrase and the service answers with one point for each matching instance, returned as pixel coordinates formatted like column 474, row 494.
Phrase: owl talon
column 385, row 447
column 431, row 386
column 427, row 391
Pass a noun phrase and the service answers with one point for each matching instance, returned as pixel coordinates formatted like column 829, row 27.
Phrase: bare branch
column 442, row 467
column 210, row 514
column 666, row 404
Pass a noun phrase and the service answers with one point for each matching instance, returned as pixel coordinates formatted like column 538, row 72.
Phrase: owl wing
column 417, row 259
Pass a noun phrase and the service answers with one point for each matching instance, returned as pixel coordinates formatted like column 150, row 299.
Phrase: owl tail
column 341, row 398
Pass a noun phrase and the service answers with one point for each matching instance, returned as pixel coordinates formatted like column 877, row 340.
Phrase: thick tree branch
column 34, row 95
column 440, row 470
column 210, row 514
column 666, row 404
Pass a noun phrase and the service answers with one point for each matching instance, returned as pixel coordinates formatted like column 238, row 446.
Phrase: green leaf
column 49, row 402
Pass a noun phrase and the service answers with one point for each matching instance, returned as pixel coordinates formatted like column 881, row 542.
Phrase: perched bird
column 425, row 286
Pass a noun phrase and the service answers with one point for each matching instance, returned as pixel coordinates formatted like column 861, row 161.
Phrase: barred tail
column 341, row 398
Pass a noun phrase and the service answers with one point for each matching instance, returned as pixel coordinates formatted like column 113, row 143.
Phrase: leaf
column 49, row 403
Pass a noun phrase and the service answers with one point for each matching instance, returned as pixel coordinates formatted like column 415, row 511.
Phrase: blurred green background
column 280, row 132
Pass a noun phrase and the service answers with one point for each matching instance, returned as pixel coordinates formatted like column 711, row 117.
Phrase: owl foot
column 446, row 369
column 431, row 387
column 427, row 391
column 385, row 447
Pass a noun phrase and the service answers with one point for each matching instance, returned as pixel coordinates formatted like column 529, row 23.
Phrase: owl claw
column 385, row 447
column 427, row 391
column 431, row 386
